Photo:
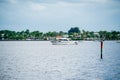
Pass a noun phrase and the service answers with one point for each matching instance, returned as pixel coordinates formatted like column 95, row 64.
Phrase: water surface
column 40, row 60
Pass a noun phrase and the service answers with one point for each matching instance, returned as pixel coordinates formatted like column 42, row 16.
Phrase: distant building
column 65, row 36
column 2, row 35
column 96, row 34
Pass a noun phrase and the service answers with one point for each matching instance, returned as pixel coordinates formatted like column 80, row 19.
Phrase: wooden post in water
column 101, row 56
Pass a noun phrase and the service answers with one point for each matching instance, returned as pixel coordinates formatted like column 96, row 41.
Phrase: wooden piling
column 101, row 56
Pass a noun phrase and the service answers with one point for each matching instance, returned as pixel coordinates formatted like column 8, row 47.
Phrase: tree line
column 74, row 33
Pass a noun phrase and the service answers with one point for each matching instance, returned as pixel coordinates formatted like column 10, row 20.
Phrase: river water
column 40, row 60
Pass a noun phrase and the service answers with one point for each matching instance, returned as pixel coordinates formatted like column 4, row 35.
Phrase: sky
column 59, row 15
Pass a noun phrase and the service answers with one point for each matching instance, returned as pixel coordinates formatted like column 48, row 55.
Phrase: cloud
column 60, row 12
column 9, row 1
column 37, row 6
column 13, row 1
column 54, row 1
column 95, row 1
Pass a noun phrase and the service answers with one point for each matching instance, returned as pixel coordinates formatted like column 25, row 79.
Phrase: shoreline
column 50, row 40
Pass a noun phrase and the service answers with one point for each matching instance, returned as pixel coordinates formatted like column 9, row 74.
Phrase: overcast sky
column 59, row 15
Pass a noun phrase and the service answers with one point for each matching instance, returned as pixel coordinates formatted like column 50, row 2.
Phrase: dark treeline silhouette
column 74, row 33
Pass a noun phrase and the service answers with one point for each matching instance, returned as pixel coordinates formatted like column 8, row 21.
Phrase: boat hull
column 118, row 41
column 64, row 42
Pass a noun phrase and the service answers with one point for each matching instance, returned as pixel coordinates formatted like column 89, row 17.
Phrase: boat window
column 63, row 39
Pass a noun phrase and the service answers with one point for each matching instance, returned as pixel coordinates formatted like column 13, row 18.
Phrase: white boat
column 118, row 41
column 64, row 41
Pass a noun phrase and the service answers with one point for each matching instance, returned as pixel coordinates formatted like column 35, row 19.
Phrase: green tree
column 73, row 30
column 36, row 35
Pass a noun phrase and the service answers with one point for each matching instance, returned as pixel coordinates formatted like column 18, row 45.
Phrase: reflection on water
column 40, row 60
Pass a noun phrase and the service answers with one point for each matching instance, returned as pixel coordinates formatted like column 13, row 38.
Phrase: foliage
column 74, row 33
column 74, row 30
